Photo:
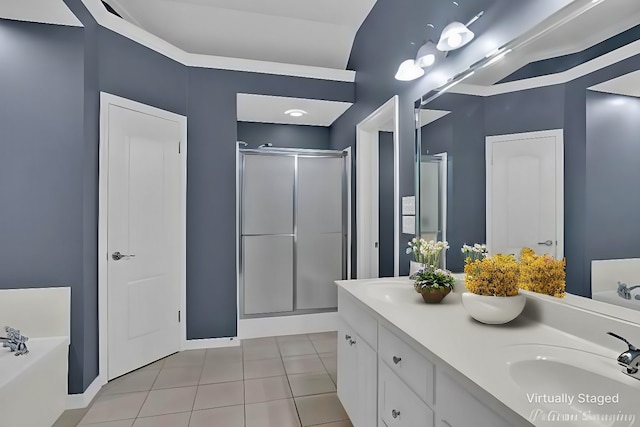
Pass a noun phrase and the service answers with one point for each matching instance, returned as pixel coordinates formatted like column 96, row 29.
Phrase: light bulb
column 427, row 61
column 455, row 40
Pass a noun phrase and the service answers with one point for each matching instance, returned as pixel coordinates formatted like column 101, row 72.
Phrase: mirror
column 573, row 87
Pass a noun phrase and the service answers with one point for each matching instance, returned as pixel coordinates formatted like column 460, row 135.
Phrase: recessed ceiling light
column 295, row 112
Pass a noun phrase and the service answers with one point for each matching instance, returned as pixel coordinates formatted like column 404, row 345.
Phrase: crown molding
column 153, row 42
column 578, row 71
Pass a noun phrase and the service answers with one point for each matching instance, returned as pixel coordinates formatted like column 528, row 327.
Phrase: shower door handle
column 546, row 243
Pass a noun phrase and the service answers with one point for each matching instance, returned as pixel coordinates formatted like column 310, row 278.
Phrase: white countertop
column 474, row 350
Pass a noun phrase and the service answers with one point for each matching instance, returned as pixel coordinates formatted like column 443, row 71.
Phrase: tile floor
column 285, row 381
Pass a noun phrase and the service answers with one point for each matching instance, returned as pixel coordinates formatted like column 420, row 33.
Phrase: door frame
column 559, row 136
column 367, row 175
column 107, row 99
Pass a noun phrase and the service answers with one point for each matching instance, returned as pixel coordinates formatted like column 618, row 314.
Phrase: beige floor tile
column 185, row 358
column 323, row 335
column 121, row 423
column 171, row 420
column 329, row 345
column 178, row 377
column 265, row 389
column 115, row 407
column 229, row 416
column 320, row 409
column 292, row 338
column 263, row 368
column 258, row 342
column 296, row 348
column 154, row 366
column 277, row 413
column 141, row 380
column 263, row 351
column 334, row 377
column 303, row 364
column 217, row 395
column 346, row 423
column 169, row 401
column 225, row 353
column 70, row 418
column 309, row 384
column 330, row 361
column 222, row 372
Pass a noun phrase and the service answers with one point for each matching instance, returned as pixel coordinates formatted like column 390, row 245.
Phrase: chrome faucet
column 624, row 291
column 630, row 359
column 15, row 341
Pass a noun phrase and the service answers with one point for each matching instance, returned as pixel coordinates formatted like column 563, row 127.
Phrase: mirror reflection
column 541, row 150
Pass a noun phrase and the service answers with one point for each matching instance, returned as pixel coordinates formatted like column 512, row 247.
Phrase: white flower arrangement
column 475, row 252
column 427, row 253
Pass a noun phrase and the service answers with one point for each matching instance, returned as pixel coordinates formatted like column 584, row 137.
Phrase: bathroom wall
column 385, row 202
column 284, row 135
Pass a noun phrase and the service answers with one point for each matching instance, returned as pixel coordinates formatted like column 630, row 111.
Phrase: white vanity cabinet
column 383, row 381
column 358, row 365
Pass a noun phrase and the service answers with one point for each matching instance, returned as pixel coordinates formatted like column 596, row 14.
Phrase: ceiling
column 270, row 109
column 44, row 11
column 304, row 32
column 629, row 85
column 601, row 22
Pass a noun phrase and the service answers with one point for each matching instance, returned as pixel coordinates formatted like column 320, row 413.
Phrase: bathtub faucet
column 15, row 341
column 624, row 291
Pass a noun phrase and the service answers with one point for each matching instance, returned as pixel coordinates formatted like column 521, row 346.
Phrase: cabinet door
column 347, row 372
column 458, row 408
column 367, row 387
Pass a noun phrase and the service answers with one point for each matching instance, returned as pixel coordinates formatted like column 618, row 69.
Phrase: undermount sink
column 573, row 387
column 393, row 292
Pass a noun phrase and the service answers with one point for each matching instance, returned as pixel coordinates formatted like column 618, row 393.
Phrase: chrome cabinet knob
column 352, row 342
column 395, row 414
column 117, row 256
column 397, row 359
column 347, row 337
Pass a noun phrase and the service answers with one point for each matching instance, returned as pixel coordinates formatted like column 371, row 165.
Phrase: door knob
column 117, row 256
column 546, row 243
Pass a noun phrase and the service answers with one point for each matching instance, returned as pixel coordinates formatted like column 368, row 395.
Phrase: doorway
column 525, row 193
column 384, row 119
column 142, row 235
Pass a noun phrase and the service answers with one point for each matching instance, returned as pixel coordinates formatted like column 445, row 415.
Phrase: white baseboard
column 82, row 400
column 210, row 343
column 287, row 325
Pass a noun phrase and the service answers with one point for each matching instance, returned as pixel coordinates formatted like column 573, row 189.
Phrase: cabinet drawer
column 358, row 319
column 408, row 364
column 398, row 406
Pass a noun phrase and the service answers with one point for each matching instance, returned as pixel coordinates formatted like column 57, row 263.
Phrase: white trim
column 588, row 67
column 558, row 134
column 349, row 167
column 82, row 400
column 211, row 343
column 288, row 325
column 367, row 136
column 107, row 99
column 444, row 187
column 145, row 38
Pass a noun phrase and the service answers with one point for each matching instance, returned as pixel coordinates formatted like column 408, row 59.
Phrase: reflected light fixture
column 427, row 55
column 295, row 113
column 456, row 34
column 408, row 71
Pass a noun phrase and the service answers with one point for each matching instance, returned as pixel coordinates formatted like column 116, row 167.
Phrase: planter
column 435, row 295
column 414, row 267
column 493, row 310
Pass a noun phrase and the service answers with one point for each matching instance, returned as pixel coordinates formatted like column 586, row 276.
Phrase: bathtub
column 33, row 387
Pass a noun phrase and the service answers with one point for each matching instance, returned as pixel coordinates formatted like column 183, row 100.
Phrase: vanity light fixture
column 295, row 112
column 456, row 34
column 427, row 55
column 408, row 71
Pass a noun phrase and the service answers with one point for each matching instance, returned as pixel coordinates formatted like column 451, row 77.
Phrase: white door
column 524, row 193
column 144, row 216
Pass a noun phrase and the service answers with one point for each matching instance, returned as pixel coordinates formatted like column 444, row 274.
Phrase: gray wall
column 42, row 158
column 284, row 136
column 385, row 204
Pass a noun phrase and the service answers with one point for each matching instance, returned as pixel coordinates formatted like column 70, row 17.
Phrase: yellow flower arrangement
column 542, row 273
column 492, row 276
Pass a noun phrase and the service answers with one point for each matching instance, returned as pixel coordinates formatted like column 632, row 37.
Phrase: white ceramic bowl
column 493, row 310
